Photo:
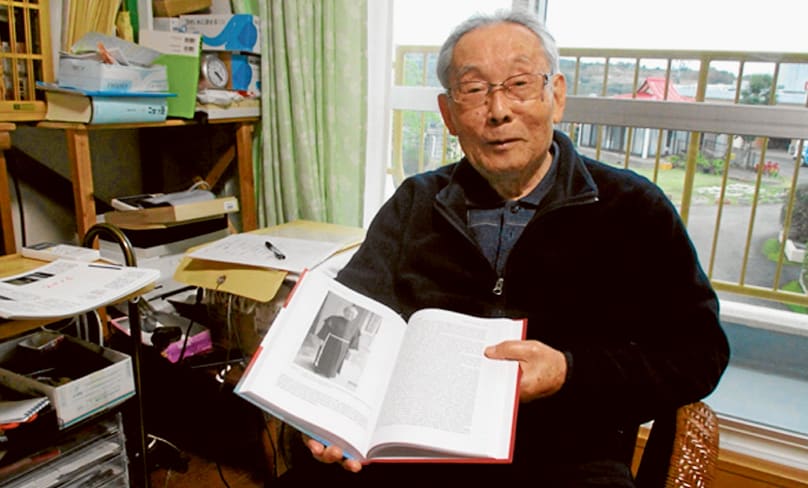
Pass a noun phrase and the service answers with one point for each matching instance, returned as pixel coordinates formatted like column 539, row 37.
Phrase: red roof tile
column 653, row 88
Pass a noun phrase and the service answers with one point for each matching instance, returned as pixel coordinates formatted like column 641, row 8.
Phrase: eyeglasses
column 521, row 87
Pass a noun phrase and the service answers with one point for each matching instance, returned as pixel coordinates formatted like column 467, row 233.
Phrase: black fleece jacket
column 604, row 272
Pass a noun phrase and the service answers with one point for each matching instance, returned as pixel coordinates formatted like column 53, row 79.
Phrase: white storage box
column 76, row 398
column 87, row 74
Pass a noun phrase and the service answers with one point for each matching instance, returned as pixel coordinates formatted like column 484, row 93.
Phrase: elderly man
column 622, row 321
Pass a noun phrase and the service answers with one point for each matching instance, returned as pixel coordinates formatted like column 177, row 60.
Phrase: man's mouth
column 501, row 142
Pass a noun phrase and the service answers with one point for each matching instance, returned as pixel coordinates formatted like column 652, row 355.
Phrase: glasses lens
column 470, row 92
column 521, row 87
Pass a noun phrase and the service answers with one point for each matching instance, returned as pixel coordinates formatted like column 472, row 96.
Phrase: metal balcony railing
column 721, row 132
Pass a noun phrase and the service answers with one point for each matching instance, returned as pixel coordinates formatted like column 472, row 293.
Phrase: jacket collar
column 574, row 182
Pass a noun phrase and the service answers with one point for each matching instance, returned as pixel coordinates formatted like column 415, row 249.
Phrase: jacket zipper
column 498, row 286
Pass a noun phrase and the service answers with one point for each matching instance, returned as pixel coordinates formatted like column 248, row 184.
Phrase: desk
column 78, row 145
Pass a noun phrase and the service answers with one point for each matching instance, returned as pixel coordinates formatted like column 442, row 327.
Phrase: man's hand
column 543, row 368
column 330, row 454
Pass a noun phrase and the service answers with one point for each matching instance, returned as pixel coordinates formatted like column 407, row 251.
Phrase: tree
column 758, row 89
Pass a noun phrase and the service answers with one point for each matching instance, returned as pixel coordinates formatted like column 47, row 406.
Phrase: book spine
column 115, row 110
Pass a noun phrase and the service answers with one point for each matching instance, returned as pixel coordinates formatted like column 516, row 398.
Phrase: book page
column 320, row 374
column 446, row 394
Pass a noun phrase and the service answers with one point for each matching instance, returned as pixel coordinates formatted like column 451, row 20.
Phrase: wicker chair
column 682, row 449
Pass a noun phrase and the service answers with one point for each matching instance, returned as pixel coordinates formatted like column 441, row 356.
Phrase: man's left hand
column 543, row 368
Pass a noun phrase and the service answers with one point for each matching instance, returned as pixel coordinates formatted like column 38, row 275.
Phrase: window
column 736, row 187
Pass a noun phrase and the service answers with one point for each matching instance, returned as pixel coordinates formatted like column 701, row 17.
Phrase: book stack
column 107, row 80
column 161, row 211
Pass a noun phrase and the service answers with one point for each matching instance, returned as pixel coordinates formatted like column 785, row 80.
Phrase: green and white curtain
column 311, row 157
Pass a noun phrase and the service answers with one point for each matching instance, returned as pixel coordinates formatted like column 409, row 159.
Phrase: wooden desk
column 78, row 144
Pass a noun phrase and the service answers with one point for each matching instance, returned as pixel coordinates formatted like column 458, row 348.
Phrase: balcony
column 723, row 133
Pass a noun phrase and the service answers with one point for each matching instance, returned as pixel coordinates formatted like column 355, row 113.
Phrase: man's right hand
column 330, row 454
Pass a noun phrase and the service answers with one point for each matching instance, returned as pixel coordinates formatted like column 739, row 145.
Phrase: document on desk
column 64, row 288
column 268, row 251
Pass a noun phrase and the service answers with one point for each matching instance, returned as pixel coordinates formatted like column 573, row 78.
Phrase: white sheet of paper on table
column 251, row 249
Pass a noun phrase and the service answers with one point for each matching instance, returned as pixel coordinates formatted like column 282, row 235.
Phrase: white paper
column 63, row 288
column 251, row 249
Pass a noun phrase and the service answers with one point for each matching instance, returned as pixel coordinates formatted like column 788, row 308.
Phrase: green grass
column 672, row 181
column 795, row 287
column 772, row 249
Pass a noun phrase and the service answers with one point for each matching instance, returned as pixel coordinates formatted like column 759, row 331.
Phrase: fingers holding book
column 330, row 454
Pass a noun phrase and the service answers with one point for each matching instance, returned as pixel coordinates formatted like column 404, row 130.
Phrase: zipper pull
column 498, row 286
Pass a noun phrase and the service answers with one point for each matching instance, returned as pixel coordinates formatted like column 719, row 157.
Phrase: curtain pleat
column 313, row 110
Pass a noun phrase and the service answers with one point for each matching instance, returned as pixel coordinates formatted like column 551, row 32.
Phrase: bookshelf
column 25, row 57
column 79, row 155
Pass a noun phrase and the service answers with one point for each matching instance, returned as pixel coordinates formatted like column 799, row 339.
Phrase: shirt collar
column 479, row 194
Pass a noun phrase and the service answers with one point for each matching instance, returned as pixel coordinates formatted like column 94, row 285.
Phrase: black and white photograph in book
column 338, row 341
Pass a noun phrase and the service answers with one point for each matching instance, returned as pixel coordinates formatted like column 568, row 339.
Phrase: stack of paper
column 64, row 288
column 283, row 253
column 244, row 264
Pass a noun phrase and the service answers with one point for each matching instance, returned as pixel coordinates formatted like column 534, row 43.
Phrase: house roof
column 653, row 88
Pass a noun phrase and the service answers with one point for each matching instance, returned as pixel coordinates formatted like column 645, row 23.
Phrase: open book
column 350, row 372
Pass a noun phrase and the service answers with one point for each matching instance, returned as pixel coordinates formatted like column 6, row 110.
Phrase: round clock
column 214, row 72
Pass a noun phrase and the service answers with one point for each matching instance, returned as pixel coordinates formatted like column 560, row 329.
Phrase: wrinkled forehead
column 501, row 46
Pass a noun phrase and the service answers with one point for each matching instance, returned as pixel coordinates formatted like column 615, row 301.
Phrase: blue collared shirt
column 497, row 224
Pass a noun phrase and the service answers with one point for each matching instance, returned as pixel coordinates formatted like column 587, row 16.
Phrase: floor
column 203, row 472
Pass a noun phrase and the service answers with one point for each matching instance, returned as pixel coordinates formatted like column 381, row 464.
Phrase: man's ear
column 559, row 82
column 446, row 113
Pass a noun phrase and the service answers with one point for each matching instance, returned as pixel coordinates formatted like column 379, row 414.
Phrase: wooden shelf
column 78, row 148
column 46, row 124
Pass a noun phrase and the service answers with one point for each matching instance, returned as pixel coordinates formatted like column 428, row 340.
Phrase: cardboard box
column 87, row 74
column 80, row 397
column 245, row 71
column 172, row 8
column 237, row 32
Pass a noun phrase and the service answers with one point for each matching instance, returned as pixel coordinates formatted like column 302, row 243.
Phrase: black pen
column 277, row 252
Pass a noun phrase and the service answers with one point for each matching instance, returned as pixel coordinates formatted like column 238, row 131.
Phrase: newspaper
column 64, row 288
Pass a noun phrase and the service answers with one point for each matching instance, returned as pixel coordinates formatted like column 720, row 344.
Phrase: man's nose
column 499, row 106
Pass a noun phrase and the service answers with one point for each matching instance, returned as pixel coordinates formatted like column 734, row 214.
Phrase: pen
column 104, row 266
column 277, row 252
